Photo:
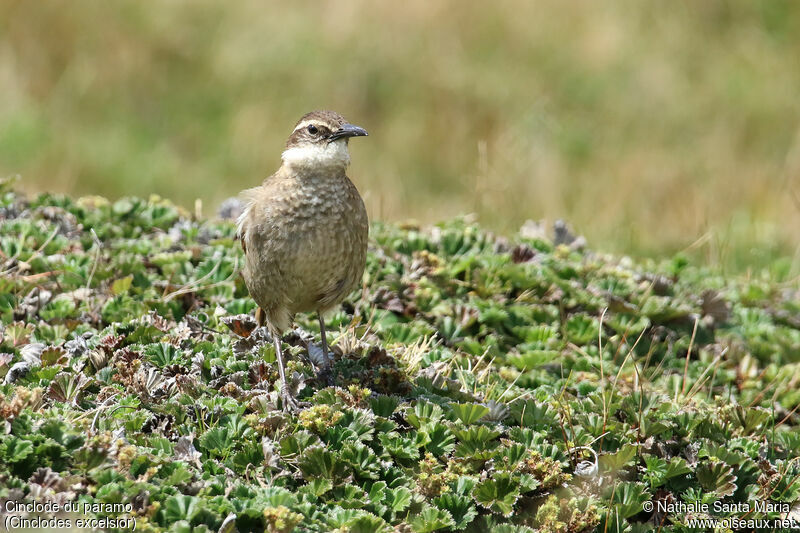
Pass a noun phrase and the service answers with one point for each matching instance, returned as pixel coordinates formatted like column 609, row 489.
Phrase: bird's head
column 319, row 139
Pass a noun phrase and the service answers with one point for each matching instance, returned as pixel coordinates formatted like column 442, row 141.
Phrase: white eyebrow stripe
column 304, row 124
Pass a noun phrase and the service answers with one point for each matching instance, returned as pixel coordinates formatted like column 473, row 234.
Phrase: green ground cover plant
column 483, row 383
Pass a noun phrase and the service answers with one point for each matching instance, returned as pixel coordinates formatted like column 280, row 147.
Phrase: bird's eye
column 312, row 129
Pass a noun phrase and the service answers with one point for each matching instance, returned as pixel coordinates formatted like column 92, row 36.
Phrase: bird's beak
column 347, row 130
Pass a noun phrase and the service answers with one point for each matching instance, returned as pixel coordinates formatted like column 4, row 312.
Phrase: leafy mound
column 482, row 383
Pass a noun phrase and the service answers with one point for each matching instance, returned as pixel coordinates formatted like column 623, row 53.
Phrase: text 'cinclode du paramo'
column 14, row 507
column 40, row 515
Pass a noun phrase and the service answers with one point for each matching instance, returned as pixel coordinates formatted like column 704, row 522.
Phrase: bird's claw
column 289, row 403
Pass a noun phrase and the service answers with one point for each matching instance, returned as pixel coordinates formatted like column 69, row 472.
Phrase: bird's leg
column 289, row 403
column 324, row 339
column 324, row 372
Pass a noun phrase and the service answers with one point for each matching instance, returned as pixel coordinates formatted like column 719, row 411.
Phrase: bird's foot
column 290, row 404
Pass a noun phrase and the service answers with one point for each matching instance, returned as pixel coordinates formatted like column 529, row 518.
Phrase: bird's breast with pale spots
column 306, row 244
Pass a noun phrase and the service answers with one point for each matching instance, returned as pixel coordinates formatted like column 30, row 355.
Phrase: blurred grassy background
column 651, row 127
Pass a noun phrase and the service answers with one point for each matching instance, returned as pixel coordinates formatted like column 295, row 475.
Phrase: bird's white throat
column 318, row 155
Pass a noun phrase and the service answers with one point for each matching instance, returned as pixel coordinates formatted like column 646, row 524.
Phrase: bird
column 304, row 234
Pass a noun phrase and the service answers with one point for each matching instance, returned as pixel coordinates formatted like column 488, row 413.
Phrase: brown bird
column 304, row 232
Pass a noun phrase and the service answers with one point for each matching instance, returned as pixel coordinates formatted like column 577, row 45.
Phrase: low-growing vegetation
column 482, row 383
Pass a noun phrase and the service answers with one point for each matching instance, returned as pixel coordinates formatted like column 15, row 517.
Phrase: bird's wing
column 244, row 221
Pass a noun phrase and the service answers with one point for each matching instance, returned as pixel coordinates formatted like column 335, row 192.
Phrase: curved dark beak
column 348, row 130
